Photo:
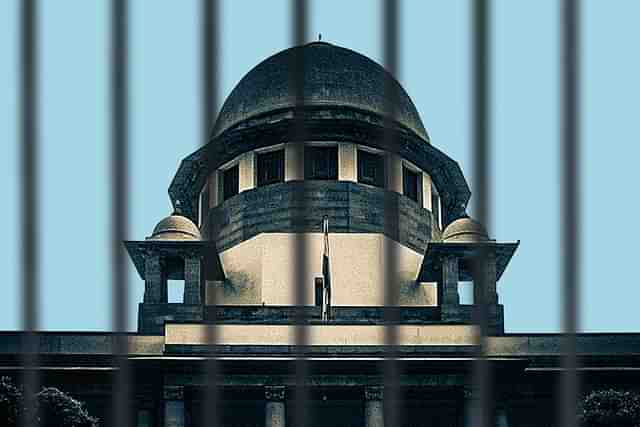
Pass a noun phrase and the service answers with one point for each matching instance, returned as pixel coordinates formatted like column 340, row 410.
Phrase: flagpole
column 326, row 272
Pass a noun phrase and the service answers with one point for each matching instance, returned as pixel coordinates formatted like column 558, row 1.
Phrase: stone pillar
column 192, row 282
column 174, row 411
column 155, row 283
column 449, row 299
column 274, row 411
column 374, row 407
column 502, row 419
column 469, row 408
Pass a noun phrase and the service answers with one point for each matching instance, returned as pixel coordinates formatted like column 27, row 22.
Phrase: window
column 320, row 162
column 270, row 167
column 230, row 182
column 411, row 184
column 435, row 206
column 371, row 168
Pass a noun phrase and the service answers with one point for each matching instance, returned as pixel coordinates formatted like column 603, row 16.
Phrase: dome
column 465, row 230
column 334, row 77
column 175, row 227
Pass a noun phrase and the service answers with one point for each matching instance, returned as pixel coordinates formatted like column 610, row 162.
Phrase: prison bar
column 119, row 52
column 570, row 204
column 299, row 16
column 30, row 206
column 480, row 410
column 209, row 76
column 391, row 366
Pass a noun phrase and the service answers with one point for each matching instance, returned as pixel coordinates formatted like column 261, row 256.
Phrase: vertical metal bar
column 570, row 201
column 300, row 274
column 209, row 62
column 391, row 394
column 481, row 118
column 30, row 207
column 119, row 210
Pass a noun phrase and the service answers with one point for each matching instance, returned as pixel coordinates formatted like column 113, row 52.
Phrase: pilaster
column 192, row 280
column 274, row 409
column 155, row 284
column 374, row 406
column 174, row 410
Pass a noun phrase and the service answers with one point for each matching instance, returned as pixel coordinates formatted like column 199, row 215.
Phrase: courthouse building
column 240, row 205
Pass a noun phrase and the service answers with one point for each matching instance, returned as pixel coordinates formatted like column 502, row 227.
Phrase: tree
column 55, row 408
column 611, row 408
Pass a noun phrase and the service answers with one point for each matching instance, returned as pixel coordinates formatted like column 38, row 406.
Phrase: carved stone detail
column 173, row 392
column 274, row 393
column 374, row 393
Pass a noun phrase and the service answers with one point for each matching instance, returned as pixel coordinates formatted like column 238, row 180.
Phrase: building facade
column 241, row 205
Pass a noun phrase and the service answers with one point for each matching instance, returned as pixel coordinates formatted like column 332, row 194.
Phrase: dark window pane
column 321, row 162
column 230, row 181
column 435, row 205
column 411, row 184
column 270, row 167
column 371, row 168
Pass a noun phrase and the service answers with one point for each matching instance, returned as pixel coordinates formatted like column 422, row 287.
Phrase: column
column 173, row 397
column 448, row 292
column 502, row 419
column 192, row 271
column 373, row 406
column 469, row 407
column 274, row 414
column 155, row 281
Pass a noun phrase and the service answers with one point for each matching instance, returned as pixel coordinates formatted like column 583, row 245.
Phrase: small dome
column 465, row 230
column 175, row 227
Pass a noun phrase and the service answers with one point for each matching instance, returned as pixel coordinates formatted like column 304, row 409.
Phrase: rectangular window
column 435, row 206
column 371, row 168
column 231, row 182
column 320, row 162
column 411, row 184
column 270, row 167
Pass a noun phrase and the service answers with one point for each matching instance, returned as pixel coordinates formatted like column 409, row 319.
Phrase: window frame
column 223, row 176
column 260, row 156
column 381, row 157
column 332, row 170
column 407, row 169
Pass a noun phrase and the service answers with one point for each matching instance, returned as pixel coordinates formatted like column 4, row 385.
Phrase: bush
column 55, row 408
column 10, row 402
column 59, row 409
column 611, row 408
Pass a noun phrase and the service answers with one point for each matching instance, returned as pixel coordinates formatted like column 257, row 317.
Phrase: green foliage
column 59, row 409
column 10, row 401
column 611, row 408
column 55, row 408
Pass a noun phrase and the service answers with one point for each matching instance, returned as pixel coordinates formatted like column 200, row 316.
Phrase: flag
column 326, row 269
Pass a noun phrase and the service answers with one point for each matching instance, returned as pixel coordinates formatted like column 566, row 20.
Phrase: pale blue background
column 434, row 70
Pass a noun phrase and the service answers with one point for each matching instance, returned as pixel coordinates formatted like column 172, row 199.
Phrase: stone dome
column 334, row 77
column 465, row 230
column 175, row 227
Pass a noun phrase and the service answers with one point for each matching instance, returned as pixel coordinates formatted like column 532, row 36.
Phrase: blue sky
column 434, row 70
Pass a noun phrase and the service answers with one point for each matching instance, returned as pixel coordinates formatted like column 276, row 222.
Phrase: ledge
column 300, row 206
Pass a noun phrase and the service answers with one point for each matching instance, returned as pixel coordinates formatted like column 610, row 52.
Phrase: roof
column 334, row 76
